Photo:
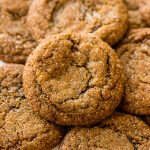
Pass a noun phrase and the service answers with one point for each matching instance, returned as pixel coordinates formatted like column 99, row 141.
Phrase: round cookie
column 107, row 19
column 95, row 138
column 134, row 53
column 73, row 79
column 136, row 130
column 16, row 41
column 20, row 128
column 139, row 12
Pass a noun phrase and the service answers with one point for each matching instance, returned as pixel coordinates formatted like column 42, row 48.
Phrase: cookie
column 107, row 19
column 20, row 128
column 139, row 13
column 16, row 41
column 134, row 54
column 73, row 79
column 95, row 138
column 136, row 130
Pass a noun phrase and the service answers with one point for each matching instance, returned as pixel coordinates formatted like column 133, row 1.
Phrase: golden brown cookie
column 136, row 130
column 105, row 18
column 95, row 138
column 20, row 128
column 134, row 53
column 73, row 79
column 16, row 42
column 139, row 13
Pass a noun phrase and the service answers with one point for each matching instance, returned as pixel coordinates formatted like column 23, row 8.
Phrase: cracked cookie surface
column 107, row 19
column 20, row 128
column 16, row 41
column 134, row 54
column 95, row 138
column 73, row 79
column 136, row 130
column 147, row 119
column 139, row 13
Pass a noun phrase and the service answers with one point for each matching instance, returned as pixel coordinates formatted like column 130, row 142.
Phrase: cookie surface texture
column 136, row 130
column 94, row 138
column 138, row 13
column 16, row 41
column 73, row 79
column 134, row 54
column 147, row 119
column 105, row 18
column 20, row 128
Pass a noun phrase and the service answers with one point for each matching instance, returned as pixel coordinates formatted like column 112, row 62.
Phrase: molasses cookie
column 73, row 79
column 20, row 128
column 134, row 53
column 136, row 130
column 139, row 13
column 16, row 42
column 105, row 18
column 95, row 138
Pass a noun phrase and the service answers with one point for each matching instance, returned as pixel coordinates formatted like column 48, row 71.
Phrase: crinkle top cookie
column 16, row 41
column 73, row 79
column 136, row 130
column 134, row 53
column 105, row 18
column 20, row 128
column 95, row 138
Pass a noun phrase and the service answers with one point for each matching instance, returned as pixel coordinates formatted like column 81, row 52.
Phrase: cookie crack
column 15, row 16
column 134, row 70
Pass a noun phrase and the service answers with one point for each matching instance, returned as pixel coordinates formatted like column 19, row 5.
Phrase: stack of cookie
column 79, row 74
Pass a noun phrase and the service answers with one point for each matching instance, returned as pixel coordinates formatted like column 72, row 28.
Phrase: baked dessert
column 16, row 41
column 73, row 79
column 20, row 128
column 136, row 130
column 134, row 54
column 95, row 138
column 105, row 18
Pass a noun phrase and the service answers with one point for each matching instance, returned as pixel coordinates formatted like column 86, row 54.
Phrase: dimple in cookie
column 104, row 18
column 73, row 79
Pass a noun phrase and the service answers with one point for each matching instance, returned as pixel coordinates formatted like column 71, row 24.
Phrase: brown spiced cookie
column 95, row 138
column 16, row 42
column 20, row 128
column 136, row 130
column 139, row 13
column 73, row 79
column 134, row 53
column 105, row 18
